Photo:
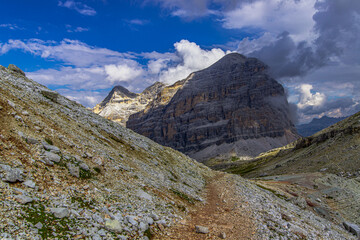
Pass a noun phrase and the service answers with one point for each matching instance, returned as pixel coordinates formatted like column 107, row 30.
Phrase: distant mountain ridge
column 120, row 103
column 316, row 125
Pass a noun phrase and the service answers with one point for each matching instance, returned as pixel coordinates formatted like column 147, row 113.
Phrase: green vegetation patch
column 272, row 191
column 35, row 213
column 83, row 203
column 184, row 196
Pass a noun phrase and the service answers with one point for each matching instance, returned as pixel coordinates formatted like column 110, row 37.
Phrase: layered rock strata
column 231, row 108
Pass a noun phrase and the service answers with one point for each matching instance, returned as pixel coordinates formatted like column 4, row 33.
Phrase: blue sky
column 84, row 48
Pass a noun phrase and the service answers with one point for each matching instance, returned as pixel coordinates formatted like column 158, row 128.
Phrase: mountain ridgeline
column 316, row 125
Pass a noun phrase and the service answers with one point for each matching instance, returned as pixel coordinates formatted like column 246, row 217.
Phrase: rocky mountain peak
column 233, row 106
column 120, row 103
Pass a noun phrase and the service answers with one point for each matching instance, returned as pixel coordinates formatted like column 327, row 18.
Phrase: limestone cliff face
column 232, row 107
column 121, row 103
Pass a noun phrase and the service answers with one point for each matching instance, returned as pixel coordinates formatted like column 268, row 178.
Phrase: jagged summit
column 118, row 91
column 120, row 103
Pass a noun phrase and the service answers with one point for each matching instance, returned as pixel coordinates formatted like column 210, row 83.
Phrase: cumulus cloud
column 193, row 58
column 122, row 72
column 78, row 6
column 293, row 16
column 307, row 98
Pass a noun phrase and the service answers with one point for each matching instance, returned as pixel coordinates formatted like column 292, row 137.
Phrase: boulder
column 60, row 212
column 201, row 229
column 113, row 225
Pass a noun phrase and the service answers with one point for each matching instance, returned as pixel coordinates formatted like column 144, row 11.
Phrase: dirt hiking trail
column 223, row 213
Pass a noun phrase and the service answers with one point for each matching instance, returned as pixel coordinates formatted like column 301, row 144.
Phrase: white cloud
column 71, row 52
column 122, row 72
column 307, row 98
column 71, row 29
column 139, row 22
column 155, row 66
column 193, row 58
column 10, row 26
column 78, row 6
column 275, row 16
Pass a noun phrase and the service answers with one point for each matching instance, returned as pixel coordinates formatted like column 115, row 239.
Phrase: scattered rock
column 84, row 166
column 353, row 228
column 143, row 226
column 51, row 148
column 131, row 220
column 73, row 170
column 11, row 104
column 51, row 157
column 97, row 218
column 53, row 96
column 286, row 217
column 201, row 229
column 12, row 175
column 39, row 225
column 31, row 140
column 23, row 199
column 155, row 217
column 18, row 118
column 222, row 235
column 144, row 195
column 1, row 108
column 16, row 69
column 60, row 212
column 113, row 225
column 29, row 184
column 148, row 220
column 98, row 161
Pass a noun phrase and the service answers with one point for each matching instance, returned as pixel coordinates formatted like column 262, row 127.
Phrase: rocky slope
column 231, row 108
column 121, row 103
column 67, row 173
column 316, row 125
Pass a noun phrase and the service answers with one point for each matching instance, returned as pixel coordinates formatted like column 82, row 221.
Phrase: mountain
column 322, row 170
column 232, row 107
column 120, row 103
column 68, row 173
column 316, row 125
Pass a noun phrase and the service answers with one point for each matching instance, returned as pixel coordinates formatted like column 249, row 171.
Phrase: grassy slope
column 335, row 149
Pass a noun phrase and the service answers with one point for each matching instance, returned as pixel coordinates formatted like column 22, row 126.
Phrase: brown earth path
column 223, row 212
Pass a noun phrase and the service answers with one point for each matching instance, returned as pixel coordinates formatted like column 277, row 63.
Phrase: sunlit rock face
column 231, row 108
column 121, row 103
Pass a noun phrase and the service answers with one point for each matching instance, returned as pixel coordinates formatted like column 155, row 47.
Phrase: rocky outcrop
column 121, row 103
column 232, row 107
